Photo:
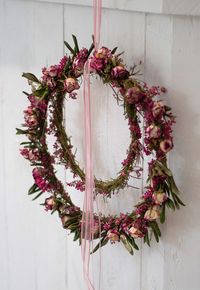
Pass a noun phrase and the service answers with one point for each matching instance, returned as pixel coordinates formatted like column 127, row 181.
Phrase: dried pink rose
column 152, row 213
column 52, row 70
column 103, row 52
column 153, row 131
column 135, row 233
column 133, row 95
column 158, row 109
column 65, row 219
column 49, row 203
column 119, row 72
column 113, row 236
column 166, row 145
column 71, row 84
column 159, row 197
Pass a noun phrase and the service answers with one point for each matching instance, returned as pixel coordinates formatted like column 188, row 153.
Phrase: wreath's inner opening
column 110, row 141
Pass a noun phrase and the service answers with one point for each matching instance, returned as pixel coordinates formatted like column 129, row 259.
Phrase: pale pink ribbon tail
column 87, row 223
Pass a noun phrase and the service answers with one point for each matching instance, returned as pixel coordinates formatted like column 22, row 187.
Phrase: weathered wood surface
column 35, row 253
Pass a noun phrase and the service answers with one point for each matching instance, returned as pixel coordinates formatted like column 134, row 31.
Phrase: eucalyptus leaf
column 31, row 77
column 38, row 195
column 69, row 47
column 102, row 243
column 126, row 244
column 76, row 49
column 114, row 50
column 162, row 214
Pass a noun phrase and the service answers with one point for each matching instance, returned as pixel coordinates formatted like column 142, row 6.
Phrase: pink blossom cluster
column 77, row 184
column 39, row 104
column 100, row 59
column 54, row 71
column 32, row 155
column 79, row 62
column 30, row 117
column 40, row 180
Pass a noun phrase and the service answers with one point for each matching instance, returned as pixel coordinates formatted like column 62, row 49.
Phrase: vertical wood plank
column 32, row 37
column 157, row 72
column 4, row 251
column 183, row 230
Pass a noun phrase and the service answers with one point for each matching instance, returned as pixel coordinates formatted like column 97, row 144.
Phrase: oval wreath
column 44, row 116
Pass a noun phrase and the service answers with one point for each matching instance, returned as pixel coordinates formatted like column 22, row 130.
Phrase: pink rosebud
column 30, row 154
column 31, row 121
column 158, row 109
column 166, row 145
column 49, row 203
column 52, row 71
column 29, row 110
column 152, row 213
column 103, row 52
column 119, row 72
column 113, row 236
column 97, row 64
column 153, row 131
column 135, row 233
column 50, row 82
column 71, row 84
column 65, row 219
column 79, row 61
column 159, row 197
column 133, row 95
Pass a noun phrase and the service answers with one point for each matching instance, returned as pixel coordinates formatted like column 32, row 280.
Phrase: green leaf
column 38, row 195
column 76, row 236
column 76, row 49
column 102, row 243
column 170, row 204
column 146, row 239
column 156, row 230
column 31, row 77
column 173, row 186
column 42, row 92
column 162, row 214
column 179, row 200
column 126, row 244
column 69, row 47
column 164, row 168
column 25, row 93
column 90, row 49
column 33, row 189
column 20, row 131
column 114, row 50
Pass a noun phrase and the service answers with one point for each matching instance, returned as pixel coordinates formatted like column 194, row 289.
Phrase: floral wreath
column 44, row 116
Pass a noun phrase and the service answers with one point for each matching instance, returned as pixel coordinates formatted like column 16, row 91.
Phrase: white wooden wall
column 35, row 252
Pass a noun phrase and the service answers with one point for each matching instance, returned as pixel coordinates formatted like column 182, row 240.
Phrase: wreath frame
column 48, row 95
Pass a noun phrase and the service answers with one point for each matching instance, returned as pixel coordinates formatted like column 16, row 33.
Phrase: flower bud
column 119, row 72
column 152, row 213
column 71, row 84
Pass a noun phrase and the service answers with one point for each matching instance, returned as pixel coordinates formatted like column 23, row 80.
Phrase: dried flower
column 119, row 72
column 133, row 95
column 159, row 197
column 49, row 203
column 71, row 84
column 166, row 145
column 135, row 233
column 153, row 131
column 113, row 236
column 152, row 213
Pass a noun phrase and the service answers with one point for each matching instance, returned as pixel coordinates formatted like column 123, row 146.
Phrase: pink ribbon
column 87, row 224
